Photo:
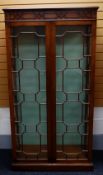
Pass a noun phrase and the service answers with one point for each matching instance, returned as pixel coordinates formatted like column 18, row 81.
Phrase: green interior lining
column 32, row 93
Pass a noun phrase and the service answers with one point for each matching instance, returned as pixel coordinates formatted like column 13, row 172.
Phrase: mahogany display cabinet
column 51, row 66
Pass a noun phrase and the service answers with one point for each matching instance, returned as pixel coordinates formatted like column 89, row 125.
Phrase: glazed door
column 73, row 67
column 51, row 91
column 29, row 92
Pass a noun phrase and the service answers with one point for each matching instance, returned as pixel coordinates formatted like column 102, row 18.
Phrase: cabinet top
column 64, row 8
column 50, row 14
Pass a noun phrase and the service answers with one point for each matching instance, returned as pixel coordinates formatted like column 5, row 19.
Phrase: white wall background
column 98, row 121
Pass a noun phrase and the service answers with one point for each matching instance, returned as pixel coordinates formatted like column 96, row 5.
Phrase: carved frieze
column 50, row 14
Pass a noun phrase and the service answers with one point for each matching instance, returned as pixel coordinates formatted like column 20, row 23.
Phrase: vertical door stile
column 92, row 87
column 51, row 90
column 10, row 88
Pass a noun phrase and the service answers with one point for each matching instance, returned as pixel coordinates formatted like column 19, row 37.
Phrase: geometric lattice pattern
column 72, row 90
column 29, row 81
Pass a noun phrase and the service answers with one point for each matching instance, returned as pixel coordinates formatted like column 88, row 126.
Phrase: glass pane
column 72, row 91
column 30, row 91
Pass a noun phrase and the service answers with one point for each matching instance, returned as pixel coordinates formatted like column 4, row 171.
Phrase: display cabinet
column 51, row 66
